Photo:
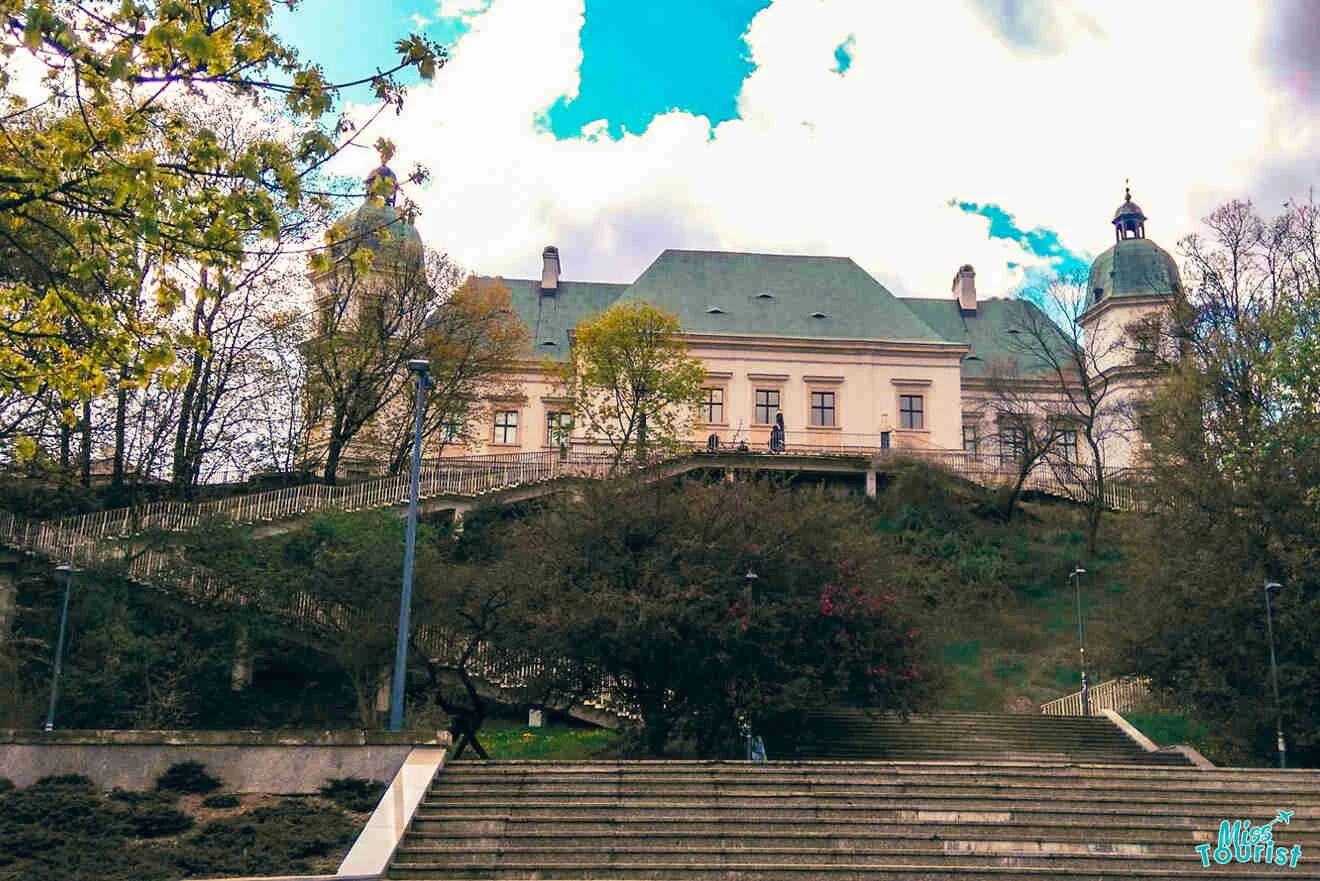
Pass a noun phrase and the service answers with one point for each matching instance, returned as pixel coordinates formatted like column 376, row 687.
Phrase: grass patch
column 962, row 653
column 557, row 742
column 1167, row 729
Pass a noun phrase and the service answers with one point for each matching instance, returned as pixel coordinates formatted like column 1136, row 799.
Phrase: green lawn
column 504, row 740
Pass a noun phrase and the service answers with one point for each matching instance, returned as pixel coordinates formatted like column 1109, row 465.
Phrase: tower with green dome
column 1128, row 292
column 373, row 295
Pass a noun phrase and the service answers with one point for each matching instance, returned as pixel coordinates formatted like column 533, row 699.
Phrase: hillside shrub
column 188, row 777
column 273, row 840
column 154, row 821
column 354, row 793
column 224, row 800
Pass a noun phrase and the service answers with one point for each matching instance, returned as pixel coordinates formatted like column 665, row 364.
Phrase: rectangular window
column 1012, row 446
column 1068, row 445
column 884, row 440
column 910, row 413
column 558, row 427
column 506, row 427
column 712, row 409
column 970, row 445
column 451, row 430
column 767, row 405
column 822, row 409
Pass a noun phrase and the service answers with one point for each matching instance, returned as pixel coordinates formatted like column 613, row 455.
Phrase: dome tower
column 1127, row 291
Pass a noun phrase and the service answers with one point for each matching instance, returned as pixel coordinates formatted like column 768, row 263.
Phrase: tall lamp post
column 1076, row 576
column 420, row 367
column 1272, row 588
column 59, row 643
column 640, row 390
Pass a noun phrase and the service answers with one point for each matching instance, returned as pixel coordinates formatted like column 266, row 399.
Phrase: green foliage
column 354, row 793
column 1235, row 462
column 62, row 827
column 155, row 821
column 1067, row 678
column 190, row 777
column 220, row 802
column 557, row 743
column 133, row 663
column 278, row 839
column 630, row 363
column 962, row 652
column 649, row 583
column 109, row 182
column 1167, row 729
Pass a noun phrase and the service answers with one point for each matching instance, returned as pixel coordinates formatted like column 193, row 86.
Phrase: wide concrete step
column 527, row 769
column 1111, row 857
column 733, row 841
column 991, row 820
column 1056, row 827
column 935, row 870
column 843, row 733
column 772, row 777
column 738, row 797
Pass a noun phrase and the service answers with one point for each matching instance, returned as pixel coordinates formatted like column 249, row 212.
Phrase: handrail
column 1119, row 695
column 97, row 539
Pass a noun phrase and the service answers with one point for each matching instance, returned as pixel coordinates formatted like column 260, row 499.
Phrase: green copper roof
column 718, row 292
column 1131, row 268
column 363, row 227
column 550, row 318
column 986, row 331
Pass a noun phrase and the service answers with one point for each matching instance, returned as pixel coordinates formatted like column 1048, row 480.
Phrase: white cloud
column 460, row 8
column 934, row 107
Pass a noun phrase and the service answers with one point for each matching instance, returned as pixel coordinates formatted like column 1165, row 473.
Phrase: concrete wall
column 283, row 763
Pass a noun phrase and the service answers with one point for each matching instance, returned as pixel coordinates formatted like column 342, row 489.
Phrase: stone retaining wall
column 283, row 763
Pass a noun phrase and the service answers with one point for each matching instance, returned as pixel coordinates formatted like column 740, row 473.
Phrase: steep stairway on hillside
column 855, row 734
column 858, row 821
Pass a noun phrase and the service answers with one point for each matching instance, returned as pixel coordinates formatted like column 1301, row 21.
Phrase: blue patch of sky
column 1039, row 242
column 352, row 39
column 843, row 55
column 640, row 60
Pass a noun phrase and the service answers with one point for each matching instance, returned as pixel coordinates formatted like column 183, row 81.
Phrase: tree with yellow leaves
column 109, row 172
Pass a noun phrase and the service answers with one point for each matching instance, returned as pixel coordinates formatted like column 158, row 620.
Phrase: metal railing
column 100, row 539
column 1119, row 695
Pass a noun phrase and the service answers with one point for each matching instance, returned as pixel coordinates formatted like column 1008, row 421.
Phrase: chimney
column 964, row 288
column 550, row 270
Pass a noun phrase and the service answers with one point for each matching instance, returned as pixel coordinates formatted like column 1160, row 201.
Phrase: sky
column 912, row 137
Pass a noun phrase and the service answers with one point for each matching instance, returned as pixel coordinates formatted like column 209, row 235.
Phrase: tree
column 482, row 600
column 710, row 602
column 344, row 564
column 108, row 173
column 631, row 378
column 473, row 343
column 1077, row 391
column 1024, row 439
column 371, row 320
column 1234, row 461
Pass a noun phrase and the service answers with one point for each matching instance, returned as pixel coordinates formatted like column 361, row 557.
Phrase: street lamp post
column 640, row 390
column 1076, row 576
column 1272, row 588
column 419, row 366
column 59, row 644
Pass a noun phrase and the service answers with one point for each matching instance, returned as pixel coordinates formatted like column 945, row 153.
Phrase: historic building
column 822, row 343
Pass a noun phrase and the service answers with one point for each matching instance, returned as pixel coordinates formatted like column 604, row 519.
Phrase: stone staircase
column 855, row 734
column 849, row 821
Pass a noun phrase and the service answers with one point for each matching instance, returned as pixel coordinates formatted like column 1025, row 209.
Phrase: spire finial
column 1127, row 189
column 388, row 188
